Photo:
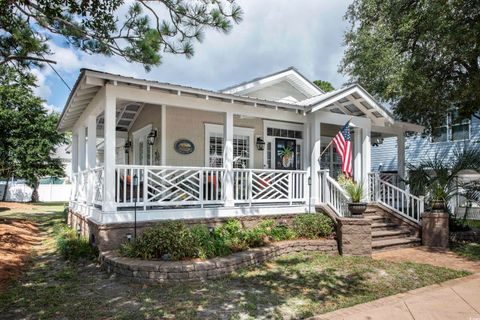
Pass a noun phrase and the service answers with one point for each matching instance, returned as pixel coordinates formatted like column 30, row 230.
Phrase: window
column 242, row 146
column 460, row 126
column 455, row 128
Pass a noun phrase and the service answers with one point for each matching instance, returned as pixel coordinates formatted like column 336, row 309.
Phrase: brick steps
column 387, row 234
column 396, row 243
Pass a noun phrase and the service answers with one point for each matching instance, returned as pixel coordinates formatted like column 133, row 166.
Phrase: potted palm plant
column 438, row 197
column 355, row 192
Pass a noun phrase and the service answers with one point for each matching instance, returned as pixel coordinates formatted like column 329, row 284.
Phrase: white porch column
column 357, row 154
column 82, row 156
column 315, row 143
column 92, row 142
column 91, row 156
column 366, row 155
column 228, row 159
column 163, row 137
column 109, row 204
column 74, row 153
column 401, row 155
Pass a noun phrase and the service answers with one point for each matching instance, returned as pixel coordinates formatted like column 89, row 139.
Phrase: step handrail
column 397, row 199
column 333, row 194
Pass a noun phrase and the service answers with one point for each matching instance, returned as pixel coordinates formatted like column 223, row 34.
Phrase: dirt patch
column 436, row 257
column 17, row 239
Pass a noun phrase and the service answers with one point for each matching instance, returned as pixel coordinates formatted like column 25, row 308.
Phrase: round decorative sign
column 184, row 146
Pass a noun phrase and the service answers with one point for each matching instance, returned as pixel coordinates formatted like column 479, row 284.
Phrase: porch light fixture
column 260, row 144
column 151, row 137
column 127, row 146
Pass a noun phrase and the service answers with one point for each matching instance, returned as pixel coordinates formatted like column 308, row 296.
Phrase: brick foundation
column 162, row 271
column 435, row 229
column 354, row 236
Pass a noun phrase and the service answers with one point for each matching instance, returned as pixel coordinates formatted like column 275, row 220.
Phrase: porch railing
column 88, row 186
column 160, row 186
column 395, row 198
column 333, row 194
column 263, row 186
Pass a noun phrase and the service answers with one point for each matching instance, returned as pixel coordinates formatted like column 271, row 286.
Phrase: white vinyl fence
column 20, row 192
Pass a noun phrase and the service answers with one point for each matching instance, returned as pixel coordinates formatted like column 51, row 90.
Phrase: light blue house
column 456, row 133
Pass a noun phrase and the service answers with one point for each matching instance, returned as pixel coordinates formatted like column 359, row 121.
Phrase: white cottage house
column 167, row 151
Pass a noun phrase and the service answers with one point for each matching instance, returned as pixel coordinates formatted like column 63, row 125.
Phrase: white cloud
column 275, row 34
column 42, row 90
column 50, row 107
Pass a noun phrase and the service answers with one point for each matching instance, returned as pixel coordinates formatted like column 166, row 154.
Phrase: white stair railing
column 395, row 198
column 333, row 194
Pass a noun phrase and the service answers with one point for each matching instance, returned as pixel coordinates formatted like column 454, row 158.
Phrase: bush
column 206, row 245
column 232, row 235
column 73, row 247
column 312, row 225
column 171, row 238
column 177, row 241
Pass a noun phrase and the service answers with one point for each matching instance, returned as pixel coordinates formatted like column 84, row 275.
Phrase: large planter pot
column 438, row 206
column 357, row 208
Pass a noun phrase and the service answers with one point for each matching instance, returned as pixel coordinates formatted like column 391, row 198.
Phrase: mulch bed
column 17, row 238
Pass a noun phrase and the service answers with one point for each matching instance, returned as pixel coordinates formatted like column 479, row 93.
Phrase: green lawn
column 293, row 286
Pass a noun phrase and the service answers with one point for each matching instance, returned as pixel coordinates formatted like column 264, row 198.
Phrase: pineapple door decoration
column 285, row 154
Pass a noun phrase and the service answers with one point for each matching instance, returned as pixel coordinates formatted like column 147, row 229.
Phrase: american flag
column 343, row 141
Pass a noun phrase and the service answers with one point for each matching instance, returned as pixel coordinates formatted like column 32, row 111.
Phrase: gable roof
column 353, row 100
column 291, row 75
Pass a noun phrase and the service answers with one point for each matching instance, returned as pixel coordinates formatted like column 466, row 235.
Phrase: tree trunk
column 4, row 198
column 35, row 196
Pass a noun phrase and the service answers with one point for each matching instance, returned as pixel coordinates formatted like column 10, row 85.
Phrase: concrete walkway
column 457, row 299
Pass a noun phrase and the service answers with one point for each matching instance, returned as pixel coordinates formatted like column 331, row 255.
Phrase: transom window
column 242, row 146
column 455, row 128
column 284, row 133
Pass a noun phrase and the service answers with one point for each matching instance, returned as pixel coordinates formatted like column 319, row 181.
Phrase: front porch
column 151, row 151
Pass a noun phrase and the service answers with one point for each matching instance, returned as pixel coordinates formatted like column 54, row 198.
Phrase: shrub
column 282, row 232
column 232, row 235
column 73, row 247
column 204, row 242
column 170, row 238
column 312, row 225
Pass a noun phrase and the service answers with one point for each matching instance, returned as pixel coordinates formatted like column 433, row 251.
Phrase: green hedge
column 175, row 241
column 73, row 247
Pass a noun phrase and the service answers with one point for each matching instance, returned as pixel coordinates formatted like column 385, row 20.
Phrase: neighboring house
column 455, row 134
column 50, row 188
column 152, row 151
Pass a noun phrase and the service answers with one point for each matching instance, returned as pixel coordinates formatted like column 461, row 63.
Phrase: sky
column 274, row 35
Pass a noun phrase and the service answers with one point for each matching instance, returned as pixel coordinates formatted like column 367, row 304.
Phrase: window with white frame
column 242, row 146
column 455, row 128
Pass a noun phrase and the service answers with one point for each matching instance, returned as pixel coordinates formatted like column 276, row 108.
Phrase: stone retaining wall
column 470, row 235
column 161, row 271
